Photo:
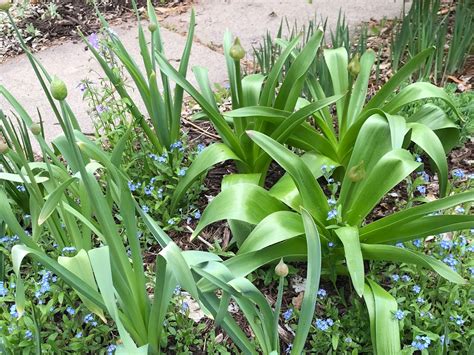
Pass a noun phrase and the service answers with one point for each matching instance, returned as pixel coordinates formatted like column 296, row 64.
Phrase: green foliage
column 424, row 27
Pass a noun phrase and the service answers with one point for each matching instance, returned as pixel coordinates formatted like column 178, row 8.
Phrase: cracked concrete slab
column 72, row 62
column 250, row 19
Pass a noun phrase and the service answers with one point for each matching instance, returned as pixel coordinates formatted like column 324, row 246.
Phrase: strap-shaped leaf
column 382, row 322
column 427, row 140
column 53, row 199
column 349, row 237
column 312, row 282
column 210, row 156
column 244, row 202
column 336, row 61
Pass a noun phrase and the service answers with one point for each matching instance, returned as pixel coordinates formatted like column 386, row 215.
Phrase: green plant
column 164, row 110
column 424, row 27
column 246, row 93
column 349, row 235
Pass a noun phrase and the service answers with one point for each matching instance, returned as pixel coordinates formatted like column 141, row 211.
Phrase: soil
column 69, row 18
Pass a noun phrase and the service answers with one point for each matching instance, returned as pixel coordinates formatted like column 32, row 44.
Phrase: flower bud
column 237, row 52
column 354, row 66
column 281, row 269
column 357, row 172
column 4, row 148
column 5, row 5
column 35, row 128
column 152, row 27
column 58, row 89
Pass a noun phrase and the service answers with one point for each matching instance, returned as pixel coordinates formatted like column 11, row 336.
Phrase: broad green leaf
column 387, row 332
column 213, row 154
column 311, row 193
column 392, row 168
column 274, row 228
column 243, row 202
column 427, row 140
column 19, row 178
column 349, row 237
column 80, row 266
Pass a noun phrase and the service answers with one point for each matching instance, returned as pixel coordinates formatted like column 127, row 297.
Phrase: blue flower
column 93, row 40
column 322, row 293
column 324, row 324
column 148, row 190
column 111, row 348
column 332, row 202
column 416, row 289
column 424, row 175
column 406, row 278
column 162, row 158
column 177, row 145
column 471, row 270
column 145, row 208
column 459, row 210
column 200, row 147
column 21, row 188
column 421, row 342
column 78, row 335
column 288, row 314
column 420, row 300
column 458, row 320
column 332, row 214
column 177, row 290
column 197, row 215
column 324, row 168
column 133, row 187
column 458, row 173
column 348, row 340
column 417, row 243
column 89, row 319
column 399, row 315
column 160, row 192
column 101, row 109
column 288, row 348
column 450, row 261
column 70, row 310
column 28, row 334
column 184, row 307
column 171, row 221
column 3, row 290
column 331, row 245
column 395, row 277
column 446, row 244
column 82, row 87
column 13, row 311
column 421, row 189
column 400, row 245
column 418, row 158
column 182, row 172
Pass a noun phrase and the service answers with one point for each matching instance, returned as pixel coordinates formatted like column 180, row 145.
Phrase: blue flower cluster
column 421, row 342
column 450, row 261
column 177, row 145
column 324, row 324
column 9, row 241
column 288, row 314
column 322, row 293
column 3, row 290
column 45, row 285
column 69, row 250
column 398, row 315
column 89, row 319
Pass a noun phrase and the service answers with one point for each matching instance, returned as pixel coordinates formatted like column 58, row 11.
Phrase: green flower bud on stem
column 354, row 66
column 237, row 52
column 281, row 269
column 357, row 172
column 4, row 148
column 5, row 5
column 58, row 89
column 152, row 27
column 35, row 128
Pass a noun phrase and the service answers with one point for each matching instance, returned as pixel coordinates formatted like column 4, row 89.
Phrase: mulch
column 69, row 17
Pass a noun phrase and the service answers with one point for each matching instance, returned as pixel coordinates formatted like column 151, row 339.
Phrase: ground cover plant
column 363, row 245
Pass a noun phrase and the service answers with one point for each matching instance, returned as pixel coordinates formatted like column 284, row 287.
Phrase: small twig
column 209, row 245
column 206, row 133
